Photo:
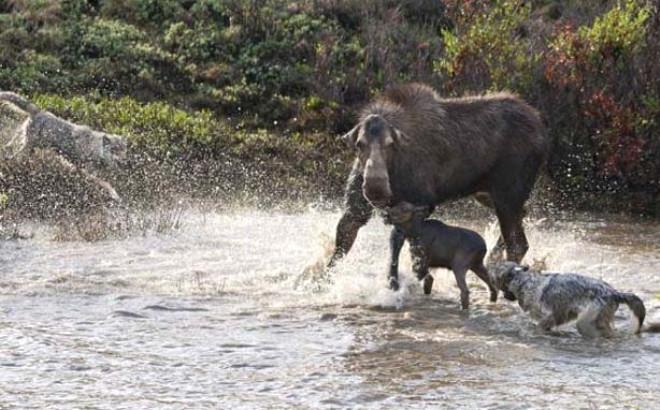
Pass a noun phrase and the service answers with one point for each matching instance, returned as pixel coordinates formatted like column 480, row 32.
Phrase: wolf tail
column 636, row 305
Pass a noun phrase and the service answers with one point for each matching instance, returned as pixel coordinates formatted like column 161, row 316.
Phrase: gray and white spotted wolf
column 554, row 299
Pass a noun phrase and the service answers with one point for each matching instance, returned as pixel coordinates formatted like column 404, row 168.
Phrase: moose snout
column 377, row 191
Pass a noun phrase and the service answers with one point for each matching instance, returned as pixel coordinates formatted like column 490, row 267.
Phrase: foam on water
column 258, row 253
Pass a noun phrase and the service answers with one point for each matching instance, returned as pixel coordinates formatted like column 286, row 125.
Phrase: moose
column 414, row 146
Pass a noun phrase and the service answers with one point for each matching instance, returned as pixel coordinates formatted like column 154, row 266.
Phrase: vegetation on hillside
column 266, row 85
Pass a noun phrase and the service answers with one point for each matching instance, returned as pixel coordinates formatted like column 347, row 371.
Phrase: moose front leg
column 397, row 239
column 357, row 212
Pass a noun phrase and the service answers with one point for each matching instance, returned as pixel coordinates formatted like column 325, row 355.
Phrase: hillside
column 234, row 96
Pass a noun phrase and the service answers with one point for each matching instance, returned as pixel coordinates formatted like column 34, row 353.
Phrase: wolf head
column 502, row 275
column 100, row 148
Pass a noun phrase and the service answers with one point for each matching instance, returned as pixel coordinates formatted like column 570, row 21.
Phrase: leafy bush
column 614, row 110
column 620, row 31
column 146, row 12
column 156, row 125
column 488, row 47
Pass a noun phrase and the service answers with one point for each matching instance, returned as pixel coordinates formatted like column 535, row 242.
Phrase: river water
column 218, row 315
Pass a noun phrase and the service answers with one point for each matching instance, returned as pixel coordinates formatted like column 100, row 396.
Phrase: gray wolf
column 26, row 128
column 554, row 299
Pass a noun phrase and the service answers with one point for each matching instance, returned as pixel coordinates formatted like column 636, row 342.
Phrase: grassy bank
column 223, row 97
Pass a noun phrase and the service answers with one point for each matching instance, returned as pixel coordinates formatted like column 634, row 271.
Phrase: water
column 218, row 315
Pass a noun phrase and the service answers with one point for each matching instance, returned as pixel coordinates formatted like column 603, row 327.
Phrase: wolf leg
column 586, row 321
column 604, row 320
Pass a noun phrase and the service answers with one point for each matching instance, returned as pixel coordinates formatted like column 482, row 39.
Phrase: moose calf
column 434, row 244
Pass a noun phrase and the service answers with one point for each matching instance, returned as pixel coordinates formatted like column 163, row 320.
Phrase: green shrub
column 614, row 149
column 620, row 31
column 487, row 49
column 111, row 38
column 156, row 125
column 145, row 12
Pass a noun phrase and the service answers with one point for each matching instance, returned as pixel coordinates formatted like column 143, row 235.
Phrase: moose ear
column 350, row 137
column 396, row 136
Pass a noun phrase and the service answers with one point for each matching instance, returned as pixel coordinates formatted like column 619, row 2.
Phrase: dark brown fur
column 434, row 244
column 445, row 148
column 471, row 140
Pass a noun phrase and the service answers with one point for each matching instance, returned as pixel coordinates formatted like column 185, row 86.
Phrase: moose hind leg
column 497, row 252
column 509, row 192
column 516, row 242
column 510, row 218
column 428, row 284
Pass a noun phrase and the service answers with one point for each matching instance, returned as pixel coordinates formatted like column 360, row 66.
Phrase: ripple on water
column 219, row 315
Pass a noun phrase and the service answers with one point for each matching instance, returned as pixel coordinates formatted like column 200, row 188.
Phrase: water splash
column 239, row 298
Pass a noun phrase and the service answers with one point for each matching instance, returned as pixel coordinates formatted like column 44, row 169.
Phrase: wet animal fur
column 434, row 244
column 77, row 146
column 434, row 149
column 471, row 140
column 78, row 143
column 554, row 299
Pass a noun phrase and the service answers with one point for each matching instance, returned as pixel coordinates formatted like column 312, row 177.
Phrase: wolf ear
column 520, row 268
column 510, row 273
column 350, row 137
